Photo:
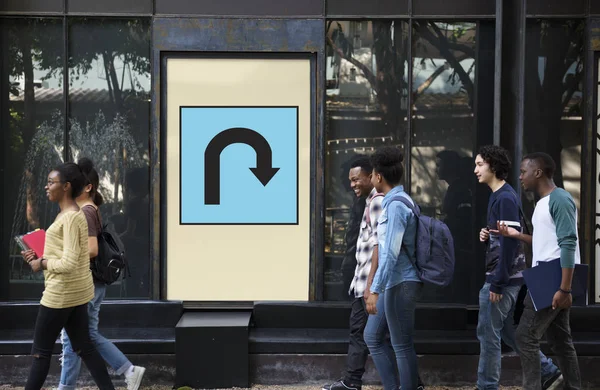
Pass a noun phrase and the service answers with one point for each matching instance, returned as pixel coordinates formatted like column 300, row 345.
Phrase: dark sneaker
column 342, row 385
column 554, row 382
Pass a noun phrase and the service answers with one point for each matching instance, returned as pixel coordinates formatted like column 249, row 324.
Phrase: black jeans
column 555, row 324
column 48, row 325
column 358, row 352
column 520, row 305
column 348, row 270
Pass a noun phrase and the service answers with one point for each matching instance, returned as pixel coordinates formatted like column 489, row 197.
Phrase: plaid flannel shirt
column 367, row 240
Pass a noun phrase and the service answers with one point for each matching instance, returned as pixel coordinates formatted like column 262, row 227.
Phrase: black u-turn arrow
column 264, row 170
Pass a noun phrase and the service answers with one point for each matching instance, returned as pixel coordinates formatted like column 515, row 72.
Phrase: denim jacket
column 396, row 231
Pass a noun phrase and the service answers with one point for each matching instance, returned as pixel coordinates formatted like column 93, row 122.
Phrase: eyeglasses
column 50, row 182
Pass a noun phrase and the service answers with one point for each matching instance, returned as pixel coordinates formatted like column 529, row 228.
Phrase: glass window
column 367, row 98
column 443, row 142
column 109, row 100
column 31, row 112
column 367, row 102
column 553, row 98
column 109, row 121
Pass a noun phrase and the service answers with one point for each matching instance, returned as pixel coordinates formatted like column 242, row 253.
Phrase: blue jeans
column 71, row 362
column 396, row 313
column 496, row 323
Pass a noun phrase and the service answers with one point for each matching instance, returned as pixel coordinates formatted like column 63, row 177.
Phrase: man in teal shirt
column 554, row 236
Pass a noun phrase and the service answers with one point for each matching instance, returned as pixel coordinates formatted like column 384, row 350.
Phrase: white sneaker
column 134, row 378
column 556, row 384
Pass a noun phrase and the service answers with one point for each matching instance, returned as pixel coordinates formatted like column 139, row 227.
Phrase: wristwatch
column 564, row 291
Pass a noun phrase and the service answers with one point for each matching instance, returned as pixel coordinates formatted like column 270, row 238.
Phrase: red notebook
column 36, row 240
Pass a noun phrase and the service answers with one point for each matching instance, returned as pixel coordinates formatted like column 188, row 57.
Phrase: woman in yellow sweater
column 68, row 282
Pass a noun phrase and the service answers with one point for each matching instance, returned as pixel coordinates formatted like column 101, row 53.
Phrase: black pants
column 48, row 325
column 348, row 269
column 358, row 352
column 555, row 324
column 520, row 304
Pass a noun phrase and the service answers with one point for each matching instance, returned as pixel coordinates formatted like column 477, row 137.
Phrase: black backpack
column 111, row 261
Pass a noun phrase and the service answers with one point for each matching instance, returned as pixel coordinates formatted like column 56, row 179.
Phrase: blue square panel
column 239, row 165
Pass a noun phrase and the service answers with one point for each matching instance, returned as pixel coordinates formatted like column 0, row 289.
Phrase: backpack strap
column 417, row 214
column 408, row 204
column 97, row 214
column 521, row 213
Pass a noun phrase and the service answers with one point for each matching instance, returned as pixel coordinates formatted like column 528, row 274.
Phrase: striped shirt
column 365, row 245
column 68, row 279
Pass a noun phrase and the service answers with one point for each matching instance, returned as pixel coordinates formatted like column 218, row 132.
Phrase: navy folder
column 543, row 281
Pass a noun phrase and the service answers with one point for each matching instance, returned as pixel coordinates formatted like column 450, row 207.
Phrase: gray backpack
column 435, row 248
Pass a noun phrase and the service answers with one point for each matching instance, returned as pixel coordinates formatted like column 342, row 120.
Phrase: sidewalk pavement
column 280, row 387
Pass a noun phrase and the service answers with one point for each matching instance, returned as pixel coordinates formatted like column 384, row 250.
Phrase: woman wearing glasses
column 68, row 283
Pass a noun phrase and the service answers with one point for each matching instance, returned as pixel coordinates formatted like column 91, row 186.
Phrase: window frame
column 5, row 288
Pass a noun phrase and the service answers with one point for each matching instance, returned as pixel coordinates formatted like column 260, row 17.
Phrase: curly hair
column 364, row 163
column 387, row 161
column 498, row 159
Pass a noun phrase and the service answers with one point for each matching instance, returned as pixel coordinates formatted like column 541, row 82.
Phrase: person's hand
column 562, row 300
column 484, row 234
column 28, row 255
column 495, row 298
column 36, row 265
column 366, row 294
column 506, row 231
column 372, row 303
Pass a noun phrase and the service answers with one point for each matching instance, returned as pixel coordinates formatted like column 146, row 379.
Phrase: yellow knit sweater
column 68, row 279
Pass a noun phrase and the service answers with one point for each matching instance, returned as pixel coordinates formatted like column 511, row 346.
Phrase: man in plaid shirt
column 366, row 259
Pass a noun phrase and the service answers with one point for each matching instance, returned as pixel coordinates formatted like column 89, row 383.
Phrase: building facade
column 437, row 78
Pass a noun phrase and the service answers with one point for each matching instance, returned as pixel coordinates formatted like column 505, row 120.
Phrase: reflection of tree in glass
column 100, row 139
column 389, row 79
column 45, row 151
column 553, row 76
column 454, row 42
column 31, row 44
column 390, row 47
column 120, row 49
column 24, row 39
column 113, row 150
column 107, row 40
column 107, row 44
